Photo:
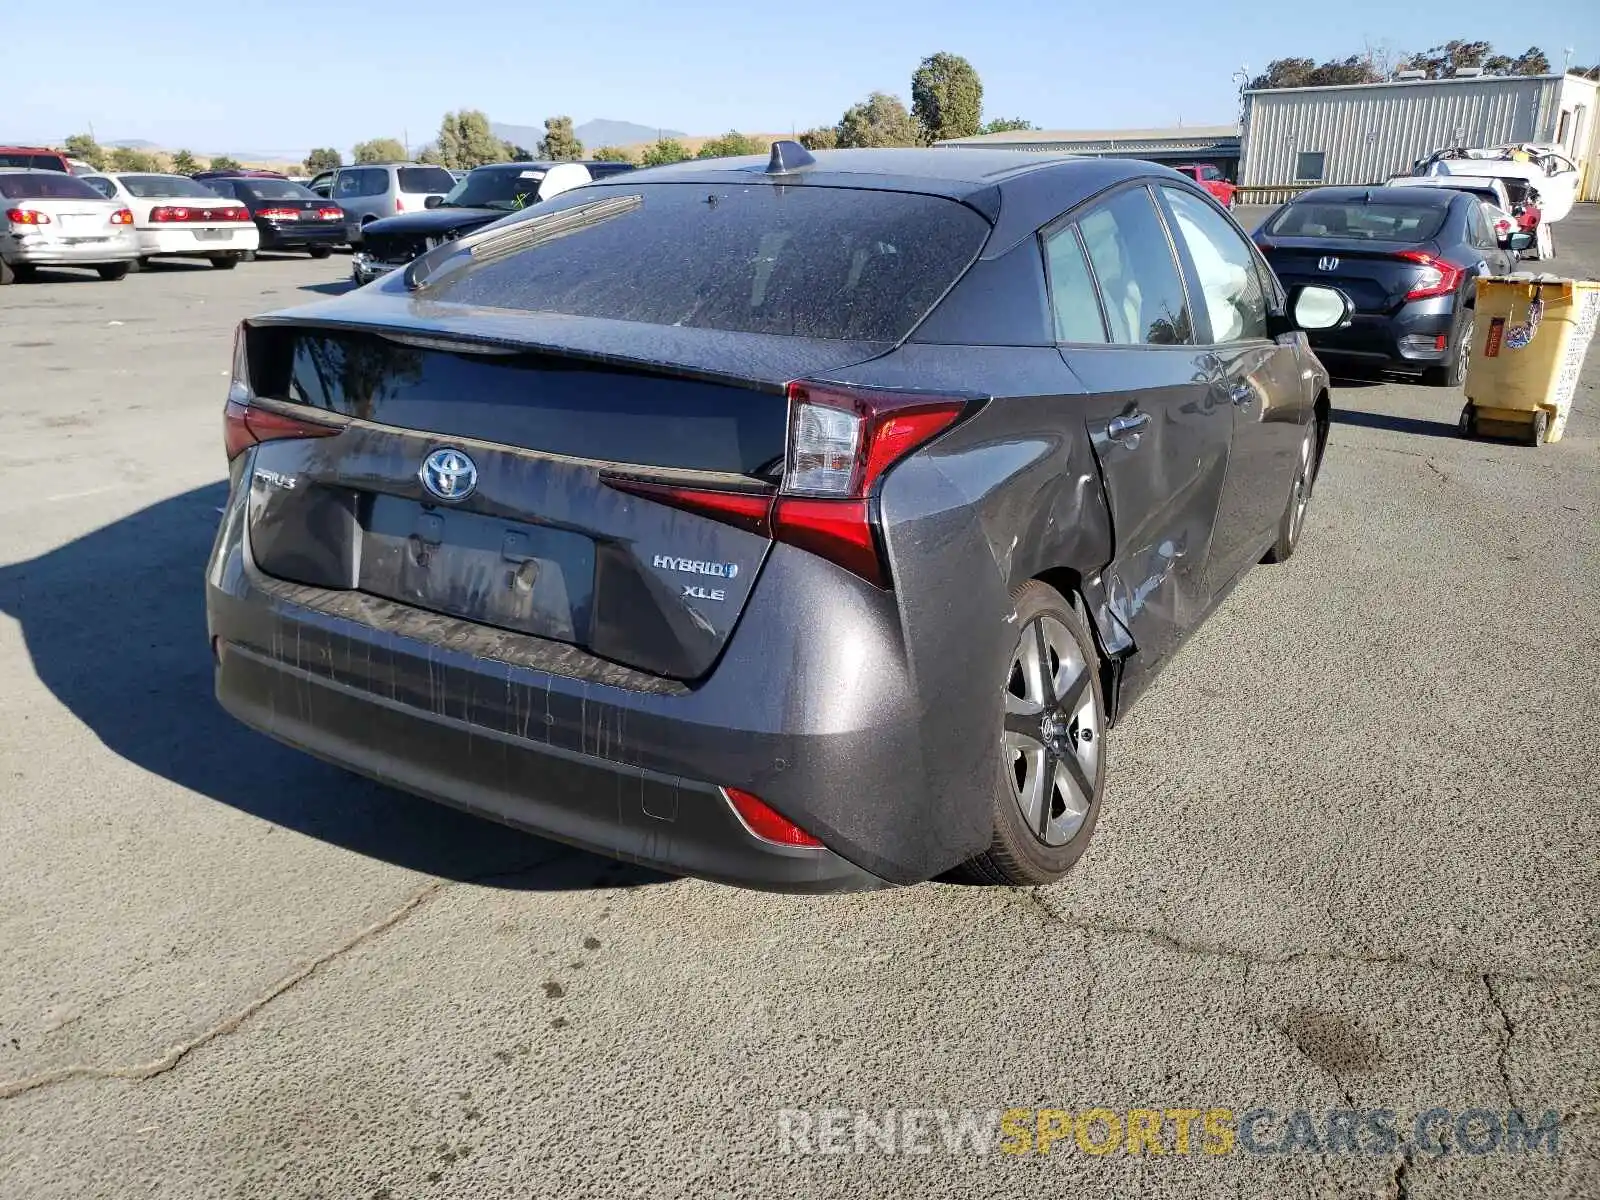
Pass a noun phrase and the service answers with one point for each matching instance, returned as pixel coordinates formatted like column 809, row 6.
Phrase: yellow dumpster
column 1528, row 343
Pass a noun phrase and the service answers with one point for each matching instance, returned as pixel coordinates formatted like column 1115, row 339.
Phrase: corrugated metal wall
column 1372, row 133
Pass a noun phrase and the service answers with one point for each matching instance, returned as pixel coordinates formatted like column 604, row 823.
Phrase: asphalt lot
column 1348, row 861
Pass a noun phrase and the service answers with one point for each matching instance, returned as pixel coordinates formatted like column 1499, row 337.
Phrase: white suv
column 370, row 191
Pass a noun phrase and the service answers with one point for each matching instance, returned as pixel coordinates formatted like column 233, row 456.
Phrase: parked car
column 370, row 191
column 173, row 216
column 238, row 173
column 53, row 219
column 37, row 158
column 1409, row 259
column 322, row 183
column 487, row 194
column 287, row 215
column 1213, row 180
column 1491, row 192
column 803, row 527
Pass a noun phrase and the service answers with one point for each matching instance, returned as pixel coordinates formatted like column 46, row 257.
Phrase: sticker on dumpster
column 1520, row 334
column 1491, row 347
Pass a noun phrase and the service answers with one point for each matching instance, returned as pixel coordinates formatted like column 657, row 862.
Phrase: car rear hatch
column 1376, row 277
column 298, row 215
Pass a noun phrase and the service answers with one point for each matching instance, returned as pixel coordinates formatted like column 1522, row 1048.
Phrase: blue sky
column 285, row 75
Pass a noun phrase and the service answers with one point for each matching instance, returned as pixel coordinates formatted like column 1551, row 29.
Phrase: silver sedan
column 56, row 220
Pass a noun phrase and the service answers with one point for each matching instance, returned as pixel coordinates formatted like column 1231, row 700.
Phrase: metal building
column 1214, row 144
column 1295, row 138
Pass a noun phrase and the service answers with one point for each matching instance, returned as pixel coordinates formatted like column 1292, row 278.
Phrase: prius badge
column 449, row 474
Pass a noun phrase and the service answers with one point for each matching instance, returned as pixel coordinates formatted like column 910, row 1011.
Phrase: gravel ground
column 1347, row 862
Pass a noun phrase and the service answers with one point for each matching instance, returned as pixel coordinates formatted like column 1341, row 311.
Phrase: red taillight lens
column 122, row 216
column 398, row 207
column 841, row 443
column 235, row 214
column 1438, row 277
column 27, row 216
column 330, row 214
column 279, row 214
column 244, row 425
column 766, row 824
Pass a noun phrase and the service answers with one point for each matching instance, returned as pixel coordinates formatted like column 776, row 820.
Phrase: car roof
column 1437, row 197
column 33, row 171
column 975, row 168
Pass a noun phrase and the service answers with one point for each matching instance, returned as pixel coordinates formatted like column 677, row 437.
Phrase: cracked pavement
column 1348, row 859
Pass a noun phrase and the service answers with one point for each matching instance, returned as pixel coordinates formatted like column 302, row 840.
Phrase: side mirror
column 433, row 202
column 1312, row 307
column 1519, row 241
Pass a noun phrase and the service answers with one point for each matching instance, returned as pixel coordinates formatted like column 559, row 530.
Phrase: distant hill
column 591, row 133
column 134, row 144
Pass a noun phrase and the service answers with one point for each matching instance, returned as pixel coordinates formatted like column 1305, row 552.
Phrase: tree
column 1585, row 72
column 560, row 143
column 183, row 163
column 659, row 153
column 946, row 97
column 822, row 138
column 1443, row 61
column 325, row 159
column 430, row 154
column 386, row 149
column 612, row 154
column 1006, row 125
column 124, row 159
column 466, row 141
column 731, row 145
column 879, row 120
column 520, row 153
column 223, row 162
column 81, row 145
column 1304, row 72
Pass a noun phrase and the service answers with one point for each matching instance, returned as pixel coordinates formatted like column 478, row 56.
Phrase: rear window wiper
column 495, row 243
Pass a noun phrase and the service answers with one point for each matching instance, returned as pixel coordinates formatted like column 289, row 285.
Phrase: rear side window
column 1073, row 302
column 814, row 262
column 1139, row 282
column 39, row 162
column 369, row 181
column 1387, row 222
column 102, row 185
column 51, row 186
column 415, row 180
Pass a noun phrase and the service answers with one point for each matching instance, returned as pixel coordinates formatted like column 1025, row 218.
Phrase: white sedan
column 174, row 216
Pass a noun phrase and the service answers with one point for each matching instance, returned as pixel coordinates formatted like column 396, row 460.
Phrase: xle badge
column 695, row 592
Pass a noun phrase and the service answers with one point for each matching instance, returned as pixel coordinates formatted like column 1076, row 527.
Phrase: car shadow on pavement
column 114, row 623
column 1372, row 420
column 337, row 288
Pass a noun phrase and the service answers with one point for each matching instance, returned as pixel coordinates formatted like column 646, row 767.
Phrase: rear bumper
column 154, row 243
column 1408, row 340
column 37, row 252
column 814, row 706
column 297, row 239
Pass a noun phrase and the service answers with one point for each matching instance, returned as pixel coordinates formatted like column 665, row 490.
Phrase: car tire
column 224, row 262
column 1453, row 373
column 8, row 273
column 247, row 256
column 320, row 251
column 139, row 264
column 1053, row 762
column 1293, row 521
column 111, row 272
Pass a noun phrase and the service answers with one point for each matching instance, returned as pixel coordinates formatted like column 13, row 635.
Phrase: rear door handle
column 1127, row 426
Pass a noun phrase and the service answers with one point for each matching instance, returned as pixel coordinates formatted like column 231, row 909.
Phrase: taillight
column 330, row 214
column 245, row 425
column 279, row 214
column 1438, row 278
column 398, row 207
column 234, row 214
column 841, row 443
column 765, row 823
column 122, row 216
column 27, row 216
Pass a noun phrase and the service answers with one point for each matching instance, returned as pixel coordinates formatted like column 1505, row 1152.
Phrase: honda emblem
column 1327, row 263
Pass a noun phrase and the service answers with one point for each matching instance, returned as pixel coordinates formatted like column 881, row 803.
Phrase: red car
column 38, row 158
column 1212, row 180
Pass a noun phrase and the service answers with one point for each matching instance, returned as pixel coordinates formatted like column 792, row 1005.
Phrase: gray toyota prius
column 800, row 522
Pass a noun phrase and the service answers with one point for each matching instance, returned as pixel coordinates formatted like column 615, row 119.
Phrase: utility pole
column 1566, row 59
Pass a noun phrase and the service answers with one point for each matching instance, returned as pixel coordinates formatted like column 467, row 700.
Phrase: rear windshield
column 54, row 186
column 275, row 189
column 1388, row 222
column 810, row 262
column 414, row 180
column 39, row 162
column 159, row 187
column 498, row 187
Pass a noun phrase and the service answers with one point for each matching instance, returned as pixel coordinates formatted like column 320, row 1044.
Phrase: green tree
column 1585, row 72
column 946, row 97
column 81, row 145
column 223, row 162
column 612, row 154
column 731, row 145
column 124, row 159
column 183, row 163
column 560, row 143
column 821, row 138
column 520, row 153
column 1006, row 125
column 325, row 159
column 385, row 149
column 879, row 120
column 430, row 154
column 1443, row 61
column 1305, row 72
column 466, row 141
column 666, row 150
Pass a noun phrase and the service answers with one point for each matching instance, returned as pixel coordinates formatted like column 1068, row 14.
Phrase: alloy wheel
column 1051, row 747
column 1302, row 487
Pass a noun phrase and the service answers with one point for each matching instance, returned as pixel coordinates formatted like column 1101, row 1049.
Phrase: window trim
column 1048, row 234
column 1322, row 167
column 1191, row 272
column 1075, row 214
